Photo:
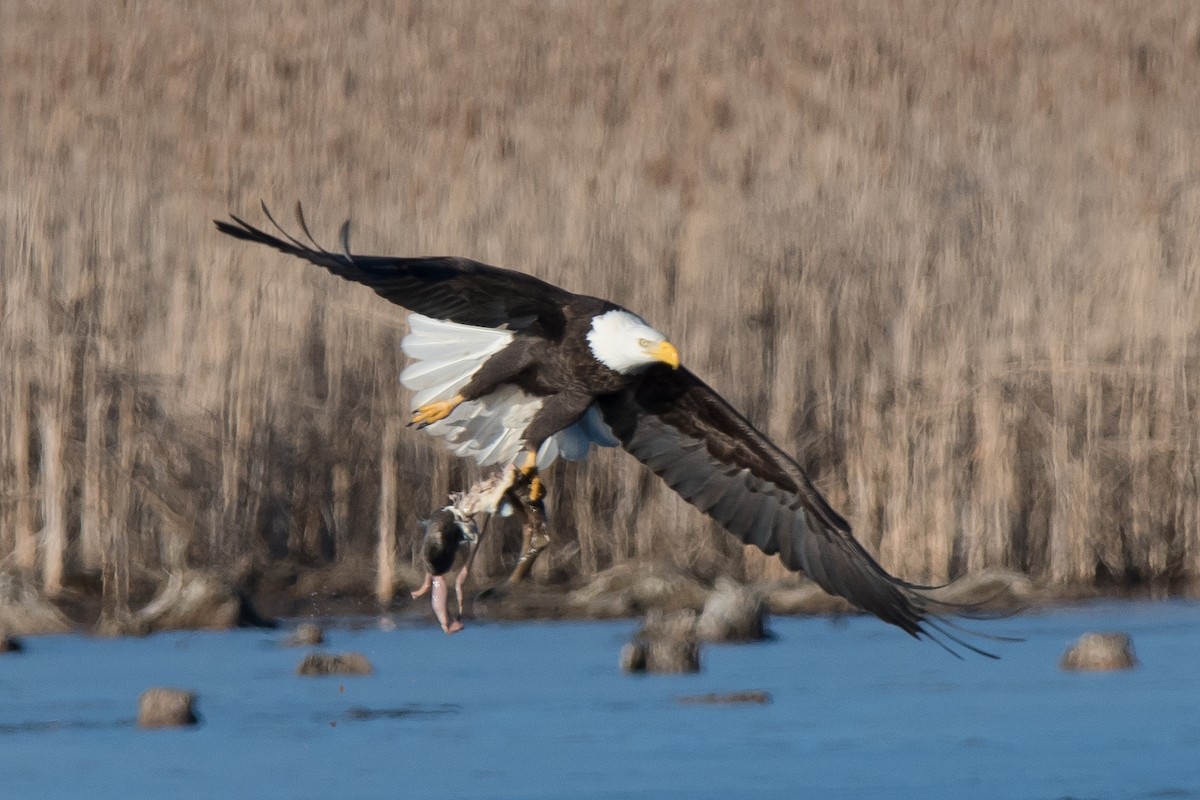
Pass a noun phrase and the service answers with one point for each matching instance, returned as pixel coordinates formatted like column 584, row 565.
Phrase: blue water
column 541, row 710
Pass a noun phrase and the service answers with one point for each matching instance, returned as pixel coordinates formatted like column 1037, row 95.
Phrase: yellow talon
column 435, row 411
column 529, row 471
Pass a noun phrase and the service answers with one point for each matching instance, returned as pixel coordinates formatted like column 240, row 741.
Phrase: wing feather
column 441, row 287
column 716, row 460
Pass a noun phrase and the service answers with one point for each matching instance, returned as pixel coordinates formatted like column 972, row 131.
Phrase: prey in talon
column 446, row 532
column 453, row 530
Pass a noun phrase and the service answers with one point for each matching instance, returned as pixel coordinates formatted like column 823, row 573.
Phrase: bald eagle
column 511, row 369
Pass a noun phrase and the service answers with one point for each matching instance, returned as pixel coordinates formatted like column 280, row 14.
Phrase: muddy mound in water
column 1099, row 652
column 318, row 664
column 161, row 707
column 189, row 600
column 732, row 613
column 629, row 589
column 666, row 644
column 25, row 611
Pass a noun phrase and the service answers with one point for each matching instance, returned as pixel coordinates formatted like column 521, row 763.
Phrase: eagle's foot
column 435, row 411
column 531, row 483
column 528, row 475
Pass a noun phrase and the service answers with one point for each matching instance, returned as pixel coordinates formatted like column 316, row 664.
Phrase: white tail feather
column 489, row 429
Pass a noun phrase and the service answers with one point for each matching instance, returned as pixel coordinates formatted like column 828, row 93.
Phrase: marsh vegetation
column 947, row 254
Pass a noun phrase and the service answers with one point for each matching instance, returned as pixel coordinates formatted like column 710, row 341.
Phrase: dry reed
column 945, row 252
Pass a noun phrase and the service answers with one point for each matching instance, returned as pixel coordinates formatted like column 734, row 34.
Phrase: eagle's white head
column 623, row 342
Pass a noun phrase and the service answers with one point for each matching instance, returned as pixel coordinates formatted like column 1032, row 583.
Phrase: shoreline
column 200, row 600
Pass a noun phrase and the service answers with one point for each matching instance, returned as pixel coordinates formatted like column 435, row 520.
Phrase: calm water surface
column 540, row 710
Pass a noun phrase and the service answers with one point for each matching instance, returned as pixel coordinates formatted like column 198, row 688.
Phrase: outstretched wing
column 688, row 435
column 443, row 287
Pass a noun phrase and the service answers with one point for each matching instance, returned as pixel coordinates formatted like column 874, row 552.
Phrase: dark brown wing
column 456, row 289
column 688, row 435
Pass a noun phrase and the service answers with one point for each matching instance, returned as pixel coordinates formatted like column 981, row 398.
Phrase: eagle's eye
column 643, row 343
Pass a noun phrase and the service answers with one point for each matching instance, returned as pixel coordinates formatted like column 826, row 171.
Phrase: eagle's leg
column 533, row 532
column 437, row 410
column 533, row 541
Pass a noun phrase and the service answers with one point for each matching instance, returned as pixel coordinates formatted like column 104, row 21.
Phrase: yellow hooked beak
column 666, row 353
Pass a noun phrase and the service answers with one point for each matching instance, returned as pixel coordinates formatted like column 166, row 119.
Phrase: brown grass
column 947, row 253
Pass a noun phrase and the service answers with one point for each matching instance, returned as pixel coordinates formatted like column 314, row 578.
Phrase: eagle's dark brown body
column 562, row 370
